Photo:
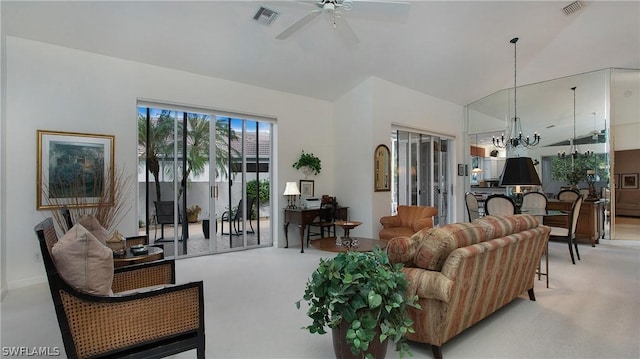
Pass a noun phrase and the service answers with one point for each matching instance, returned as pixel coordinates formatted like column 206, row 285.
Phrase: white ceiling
column 458, row 51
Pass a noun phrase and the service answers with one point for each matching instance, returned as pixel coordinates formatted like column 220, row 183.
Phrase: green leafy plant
column 258, row 189
column 365, row 290
column 308, row 160
column 574, row 170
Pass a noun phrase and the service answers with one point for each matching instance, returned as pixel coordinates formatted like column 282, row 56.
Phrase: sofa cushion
column 84, row 262
column 438, row 243
column 90, row 222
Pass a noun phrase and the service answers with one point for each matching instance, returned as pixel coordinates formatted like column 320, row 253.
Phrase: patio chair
column 147, row 317
column 234, row 218
column 164, row 216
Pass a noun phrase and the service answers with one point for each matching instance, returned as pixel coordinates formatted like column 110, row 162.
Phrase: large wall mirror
column 605, row 117
column 382, row 169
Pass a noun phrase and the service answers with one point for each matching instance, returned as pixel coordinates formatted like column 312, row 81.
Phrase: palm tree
column 160, row 137
column 198, row 143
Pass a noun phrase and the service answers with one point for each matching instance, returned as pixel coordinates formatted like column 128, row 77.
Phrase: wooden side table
column 154, row 254
column 347, row 226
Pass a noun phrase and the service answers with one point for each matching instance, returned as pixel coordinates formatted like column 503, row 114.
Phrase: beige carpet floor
column 591, row 309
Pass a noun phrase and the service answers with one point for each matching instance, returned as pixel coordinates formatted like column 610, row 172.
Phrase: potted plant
column 361, row 296
column 192, row 213
column 310, row 161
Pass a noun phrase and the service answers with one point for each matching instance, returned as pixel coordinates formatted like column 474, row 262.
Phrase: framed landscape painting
column 629, row 180
column 73, row 169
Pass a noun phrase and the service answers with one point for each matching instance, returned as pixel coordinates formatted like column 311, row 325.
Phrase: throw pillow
column 84, row 262
column 90, row 222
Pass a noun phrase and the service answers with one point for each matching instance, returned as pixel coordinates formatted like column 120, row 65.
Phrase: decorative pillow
column 84, row 262
column 92, row 225
column 439, row 242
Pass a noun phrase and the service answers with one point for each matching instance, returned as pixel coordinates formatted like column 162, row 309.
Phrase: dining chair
column 570, row 233
column 499, row 205
column 568, row 195
column 472, row 206
column 535, row 202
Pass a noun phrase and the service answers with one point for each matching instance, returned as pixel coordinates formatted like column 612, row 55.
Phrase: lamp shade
column 519, row 171
column 477, row 170
column 291, row 189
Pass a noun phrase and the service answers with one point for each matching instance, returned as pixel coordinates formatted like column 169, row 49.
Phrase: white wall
column 55, row 88
column 364, row 118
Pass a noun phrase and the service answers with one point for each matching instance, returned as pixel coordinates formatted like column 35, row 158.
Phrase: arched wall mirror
column 382, row 169
column 606, row 109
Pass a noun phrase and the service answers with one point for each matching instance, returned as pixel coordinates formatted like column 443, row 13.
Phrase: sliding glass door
column 421, row 173
column 204, row 180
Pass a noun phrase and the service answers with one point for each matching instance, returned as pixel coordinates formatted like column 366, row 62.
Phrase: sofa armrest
column 422, row 223
column 428, row 284
column 144, row 275
column 390, row 221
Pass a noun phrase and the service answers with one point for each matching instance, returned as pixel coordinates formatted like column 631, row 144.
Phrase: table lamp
column 519, row 171
column 291, row 191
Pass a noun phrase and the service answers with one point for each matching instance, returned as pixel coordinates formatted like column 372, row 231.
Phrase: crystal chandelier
column 514, row 137
column 573, row 149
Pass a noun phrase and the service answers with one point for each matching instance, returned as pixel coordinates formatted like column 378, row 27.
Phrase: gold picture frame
column 382, row 169
column 72, row 167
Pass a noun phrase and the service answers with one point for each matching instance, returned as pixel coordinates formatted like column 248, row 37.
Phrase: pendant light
column 514, row 137
column 573, row 149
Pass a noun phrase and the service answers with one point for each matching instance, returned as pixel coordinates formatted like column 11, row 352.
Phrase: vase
column 307, row 171
column 342, row 349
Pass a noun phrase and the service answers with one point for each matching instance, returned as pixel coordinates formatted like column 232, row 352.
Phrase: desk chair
column 570, row 233
column 326, row 219
column 499, row 205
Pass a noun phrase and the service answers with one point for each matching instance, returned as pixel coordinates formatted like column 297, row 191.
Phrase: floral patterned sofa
column 464, row 272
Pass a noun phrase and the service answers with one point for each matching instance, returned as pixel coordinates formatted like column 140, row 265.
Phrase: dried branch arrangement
column 108, row 202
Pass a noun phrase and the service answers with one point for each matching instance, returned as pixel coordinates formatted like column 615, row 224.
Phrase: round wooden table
column 364, row 244
column 347, row 226
column 154, row 254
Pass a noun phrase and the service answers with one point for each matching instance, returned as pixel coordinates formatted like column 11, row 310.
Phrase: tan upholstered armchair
column 154, row 318
column 409, row 220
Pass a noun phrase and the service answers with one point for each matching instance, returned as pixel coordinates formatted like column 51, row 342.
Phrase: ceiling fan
column 335, row 10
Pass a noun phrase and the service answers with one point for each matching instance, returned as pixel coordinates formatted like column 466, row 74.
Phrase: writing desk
column 303, row 217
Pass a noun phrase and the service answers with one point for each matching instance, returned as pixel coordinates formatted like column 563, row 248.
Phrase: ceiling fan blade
column 298, row 24
column 346, row 32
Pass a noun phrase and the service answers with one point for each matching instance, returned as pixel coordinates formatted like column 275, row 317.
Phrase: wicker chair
column 151, row 323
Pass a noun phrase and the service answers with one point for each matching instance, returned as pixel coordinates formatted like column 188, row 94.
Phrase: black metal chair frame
column 234, row 218
column 159, row 348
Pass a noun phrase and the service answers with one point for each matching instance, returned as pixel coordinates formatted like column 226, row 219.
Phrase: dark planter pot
column 342, row 349
column 205, row 228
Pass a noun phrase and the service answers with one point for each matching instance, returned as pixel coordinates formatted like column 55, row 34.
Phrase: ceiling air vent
column 265, row 15
column 571, row 8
